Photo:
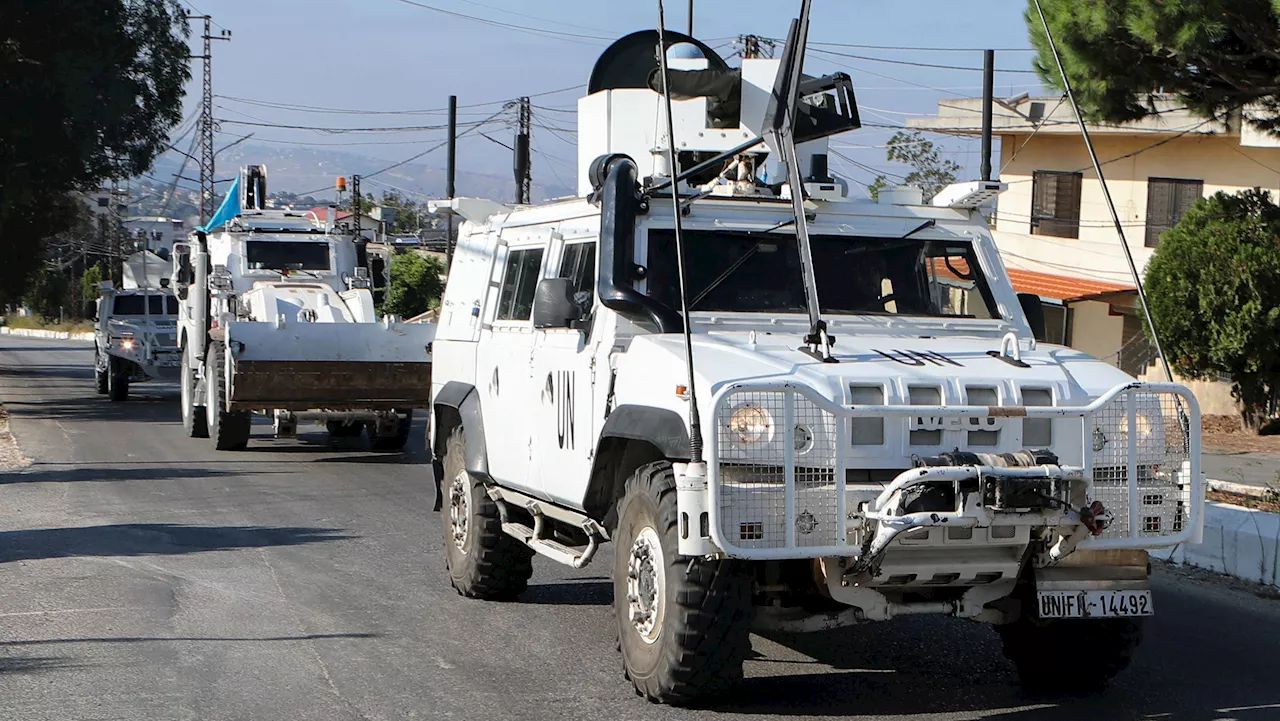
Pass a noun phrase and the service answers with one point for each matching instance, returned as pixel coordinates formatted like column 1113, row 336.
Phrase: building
column 158, row 233
column 1053, row 227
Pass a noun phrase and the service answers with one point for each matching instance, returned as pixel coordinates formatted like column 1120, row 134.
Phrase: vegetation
column 1215, row 55
column 89, row 91
column 930, row 171
column 416, row 285
column 1212, row 285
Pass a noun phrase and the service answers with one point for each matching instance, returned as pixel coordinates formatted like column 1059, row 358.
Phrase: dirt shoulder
column 11, row 458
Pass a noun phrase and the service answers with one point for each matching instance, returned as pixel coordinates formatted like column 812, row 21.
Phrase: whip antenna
column 695, row 421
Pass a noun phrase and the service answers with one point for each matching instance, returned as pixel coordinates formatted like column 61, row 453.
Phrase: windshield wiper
column 720, row 279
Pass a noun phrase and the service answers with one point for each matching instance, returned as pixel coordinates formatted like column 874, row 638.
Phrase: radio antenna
column 695, row 421
column 1106, row 191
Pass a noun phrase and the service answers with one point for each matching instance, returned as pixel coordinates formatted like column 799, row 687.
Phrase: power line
column 922, row 49
column 339, row 131
column 571, row 37
column 474, row 128
column 912, row 63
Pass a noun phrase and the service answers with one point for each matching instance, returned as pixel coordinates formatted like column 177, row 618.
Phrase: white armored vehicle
column 277, row 316
column 824, row 411
column 134, row 330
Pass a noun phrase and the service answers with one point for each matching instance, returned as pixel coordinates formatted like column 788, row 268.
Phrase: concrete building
column 1052, row 225
column 156, row 232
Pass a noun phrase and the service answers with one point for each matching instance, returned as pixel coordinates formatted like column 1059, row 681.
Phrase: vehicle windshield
column 286, row 255
column 144, row 305
column 761, row 273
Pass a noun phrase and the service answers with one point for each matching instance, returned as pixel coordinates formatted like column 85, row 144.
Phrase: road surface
column 143, row 576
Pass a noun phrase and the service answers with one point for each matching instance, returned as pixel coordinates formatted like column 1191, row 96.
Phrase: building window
column 1167, row 200
column 519, row 283
column 104, row 202
column 1055, row 203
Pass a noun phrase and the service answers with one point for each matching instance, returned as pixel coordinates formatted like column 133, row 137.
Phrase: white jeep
column 925, row 455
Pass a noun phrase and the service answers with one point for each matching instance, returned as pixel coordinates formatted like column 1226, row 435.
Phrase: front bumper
column 802, row 494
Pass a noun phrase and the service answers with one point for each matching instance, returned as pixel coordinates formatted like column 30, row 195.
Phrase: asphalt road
column 143, row 576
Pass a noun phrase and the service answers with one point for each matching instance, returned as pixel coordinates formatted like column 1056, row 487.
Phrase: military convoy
column 785, row 408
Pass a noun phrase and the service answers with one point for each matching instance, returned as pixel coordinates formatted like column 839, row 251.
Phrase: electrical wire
column 914, row 64
column 557, row 34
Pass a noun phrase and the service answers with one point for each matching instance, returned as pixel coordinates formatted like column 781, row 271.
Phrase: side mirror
column 1033, row 309
column 183, row 273
column 553, row 304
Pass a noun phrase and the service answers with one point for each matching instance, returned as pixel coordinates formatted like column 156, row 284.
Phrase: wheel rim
column 646, row 584
column 460, row 509
column 211, row 397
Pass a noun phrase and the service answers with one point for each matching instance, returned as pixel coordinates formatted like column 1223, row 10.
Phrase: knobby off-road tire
column 117, row 380
column 99, row 373
column 483, row 562
column 395, row 441
column 690, row 645
column 194, row 420
column 1069, row 656
column 228, row 429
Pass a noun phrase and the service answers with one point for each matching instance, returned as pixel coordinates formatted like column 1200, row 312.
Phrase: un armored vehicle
column 786, row 408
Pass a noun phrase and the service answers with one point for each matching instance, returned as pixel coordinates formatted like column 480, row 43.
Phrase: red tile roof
column 1046, row 285
column 1060, row 286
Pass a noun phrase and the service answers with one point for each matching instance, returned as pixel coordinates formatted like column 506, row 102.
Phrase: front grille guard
column 1155, row 472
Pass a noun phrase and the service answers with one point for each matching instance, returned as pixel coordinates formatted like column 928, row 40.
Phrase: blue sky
column 390, row 55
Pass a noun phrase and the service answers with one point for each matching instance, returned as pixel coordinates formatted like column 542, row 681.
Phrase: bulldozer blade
column 329, row 366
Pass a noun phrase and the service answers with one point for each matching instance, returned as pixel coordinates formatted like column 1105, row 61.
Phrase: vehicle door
column 503, row 358
column 565, row 389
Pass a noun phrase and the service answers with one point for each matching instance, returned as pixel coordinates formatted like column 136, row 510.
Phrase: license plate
column 1095, row 604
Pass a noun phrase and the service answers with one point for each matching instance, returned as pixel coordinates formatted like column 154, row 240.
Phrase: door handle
column 493, row 382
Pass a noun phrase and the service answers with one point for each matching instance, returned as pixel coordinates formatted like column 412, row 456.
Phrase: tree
column 1215, row 55
column 89, row 91
column 93, row 275
column 415, row 285
column 930, row 171
column 1213, row 286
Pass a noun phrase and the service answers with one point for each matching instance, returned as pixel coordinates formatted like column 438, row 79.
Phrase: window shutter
column 1160, row 205
column 1068, row 204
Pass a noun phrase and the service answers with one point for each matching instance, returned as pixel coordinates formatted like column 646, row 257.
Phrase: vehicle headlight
column 750, row 423
column 126, row 343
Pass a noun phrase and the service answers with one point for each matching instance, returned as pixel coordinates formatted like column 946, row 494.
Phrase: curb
column 50, row 334
column 1239, row 542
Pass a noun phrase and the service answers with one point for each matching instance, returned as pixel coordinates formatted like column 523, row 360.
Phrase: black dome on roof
column 629, row 61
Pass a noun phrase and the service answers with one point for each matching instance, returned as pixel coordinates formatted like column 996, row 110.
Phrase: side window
column 519, row 283
column 579, row 265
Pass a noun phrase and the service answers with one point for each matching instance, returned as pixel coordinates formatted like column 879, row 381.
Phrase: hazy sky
column 390, row 55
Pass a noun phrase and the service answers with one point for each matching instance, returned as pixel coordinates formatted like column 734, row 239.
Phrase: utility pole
column 362, row 250
column 207, row 206
column 753, row 46
column 450, row 173
column 523, row 162
column 690, row 18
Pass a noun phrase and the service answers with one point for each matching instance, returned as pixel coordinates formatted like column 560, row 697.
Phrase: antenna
column 780, row 134
column 1106, row 191
column 695, row 422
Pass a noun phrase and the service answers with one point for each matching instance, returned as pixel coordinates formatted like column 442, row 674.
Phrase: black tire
column 344, row 429
column 117, row 380
column 99, row 374
column 194, row 420
column 695, row 648
column 1069, row 656
column 484, row 562
column 228, row 429
column 396, row 441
